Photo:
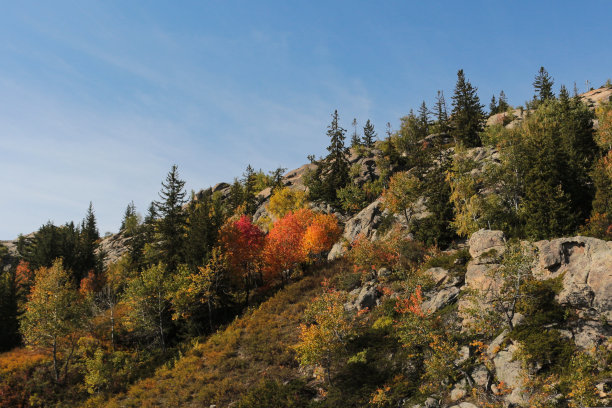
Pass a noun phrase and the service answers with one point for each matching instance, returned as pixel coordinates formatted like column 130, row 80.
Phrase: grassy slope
column 227, row 364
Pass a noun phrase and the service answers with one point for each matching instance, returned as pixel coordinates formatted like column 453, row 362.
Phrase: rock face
column 596, row 97
column 113, row 247
column 509, row 370
column 484, row 241
column 584, row 263
column 592, row 99
column 364, row 297
column 586, row 266
column 365, row 222
column 295, row 178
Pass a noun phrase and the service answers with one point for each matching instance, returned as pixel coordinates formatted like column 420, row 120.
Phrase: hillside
column 463, row 260
column 251, row 363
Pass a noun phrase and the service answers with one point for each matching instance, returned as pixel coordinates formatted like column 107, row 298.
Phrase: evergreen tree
column 436, row 228
column 249, row 199
column 144, row 234
column 355, row 139
column 171, row 226
column 88, row 245
column 9, row 325
column 335, row 174
column 468, row 115
column 369, row 135
column 493, row 109
column 441, row 113
column 128, row 216
column 204, row 218
column 542, row 85
column 502, row 102
column 236, row 195
column 277, row 178
column 423, row 119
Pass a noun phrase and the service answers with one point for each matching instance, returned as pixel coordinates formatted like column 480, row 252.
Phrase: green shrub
column 271, row 394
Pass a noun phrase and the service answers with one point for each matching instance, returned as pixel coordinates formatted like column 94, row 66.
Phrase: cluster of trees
column 75, row 245
column 549, row 179
column 188, row 268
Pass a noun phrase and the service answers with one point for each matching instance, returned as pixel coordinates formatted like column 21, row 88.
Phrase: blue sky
column 99, row 99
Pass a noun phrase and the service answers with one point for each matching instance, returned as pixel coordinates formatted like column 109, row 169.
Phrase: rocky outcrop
column 596, row 97
column 514, row 118
column 484, row 242
column 363, row 297
column 295, row 178
column 586, row 267
column 113, row 247
column 365, row 222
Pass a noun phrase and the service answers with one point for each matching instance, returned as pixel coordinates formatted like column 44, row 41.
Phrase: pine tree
column 130, row 212
column 542, row 85
column 87, row 246
column 205, row 217
column 171, row 226
column 277, row 178
column 502, row 102
column 335, row 175
column 423, row 119
column 468, row 115
column 369, row 135
column 493, row 109
column 441, row 113
column 355, row 139
column 249, row 199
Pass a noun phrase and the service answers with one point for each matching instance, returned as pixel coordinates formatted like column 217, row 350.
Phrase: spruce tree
column 423, row 119
column 205, row 217
column 502, row 102
column 441, row 113
column 493, row 109
column 88, row 244
column 277, row 178
column 542, row 85
column 355, row 139
column 369, row 135
column 130, row 212
column 171, row 226
column 335, row 174
column 249, row 199
column 468, row 115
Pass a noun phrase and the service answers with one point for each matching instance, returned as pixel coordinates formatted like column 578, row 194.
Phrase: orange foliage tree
column 242, row 242
column 283, row 246
column 321, row 234
column 24, row 278
column 296, row 237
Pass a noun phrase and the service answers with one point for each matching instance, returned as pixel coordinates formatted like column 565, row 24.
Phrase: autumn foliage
column 296, row 238
column 242, row 242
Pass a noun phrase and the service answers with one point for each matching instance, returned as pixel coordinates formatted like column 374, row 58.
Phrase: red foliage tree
column 242, row 242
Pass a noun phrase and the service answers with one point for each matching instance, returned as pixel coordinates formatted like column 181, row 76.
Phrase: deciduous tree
column 53, row 316
column 403, row 194
column 242, row 242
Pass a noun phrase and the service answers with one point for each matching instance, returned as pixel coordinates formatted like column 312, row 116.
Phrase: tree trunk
column 112, row 310
column 210, row 322
column 55, row 370
column 161, row 322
